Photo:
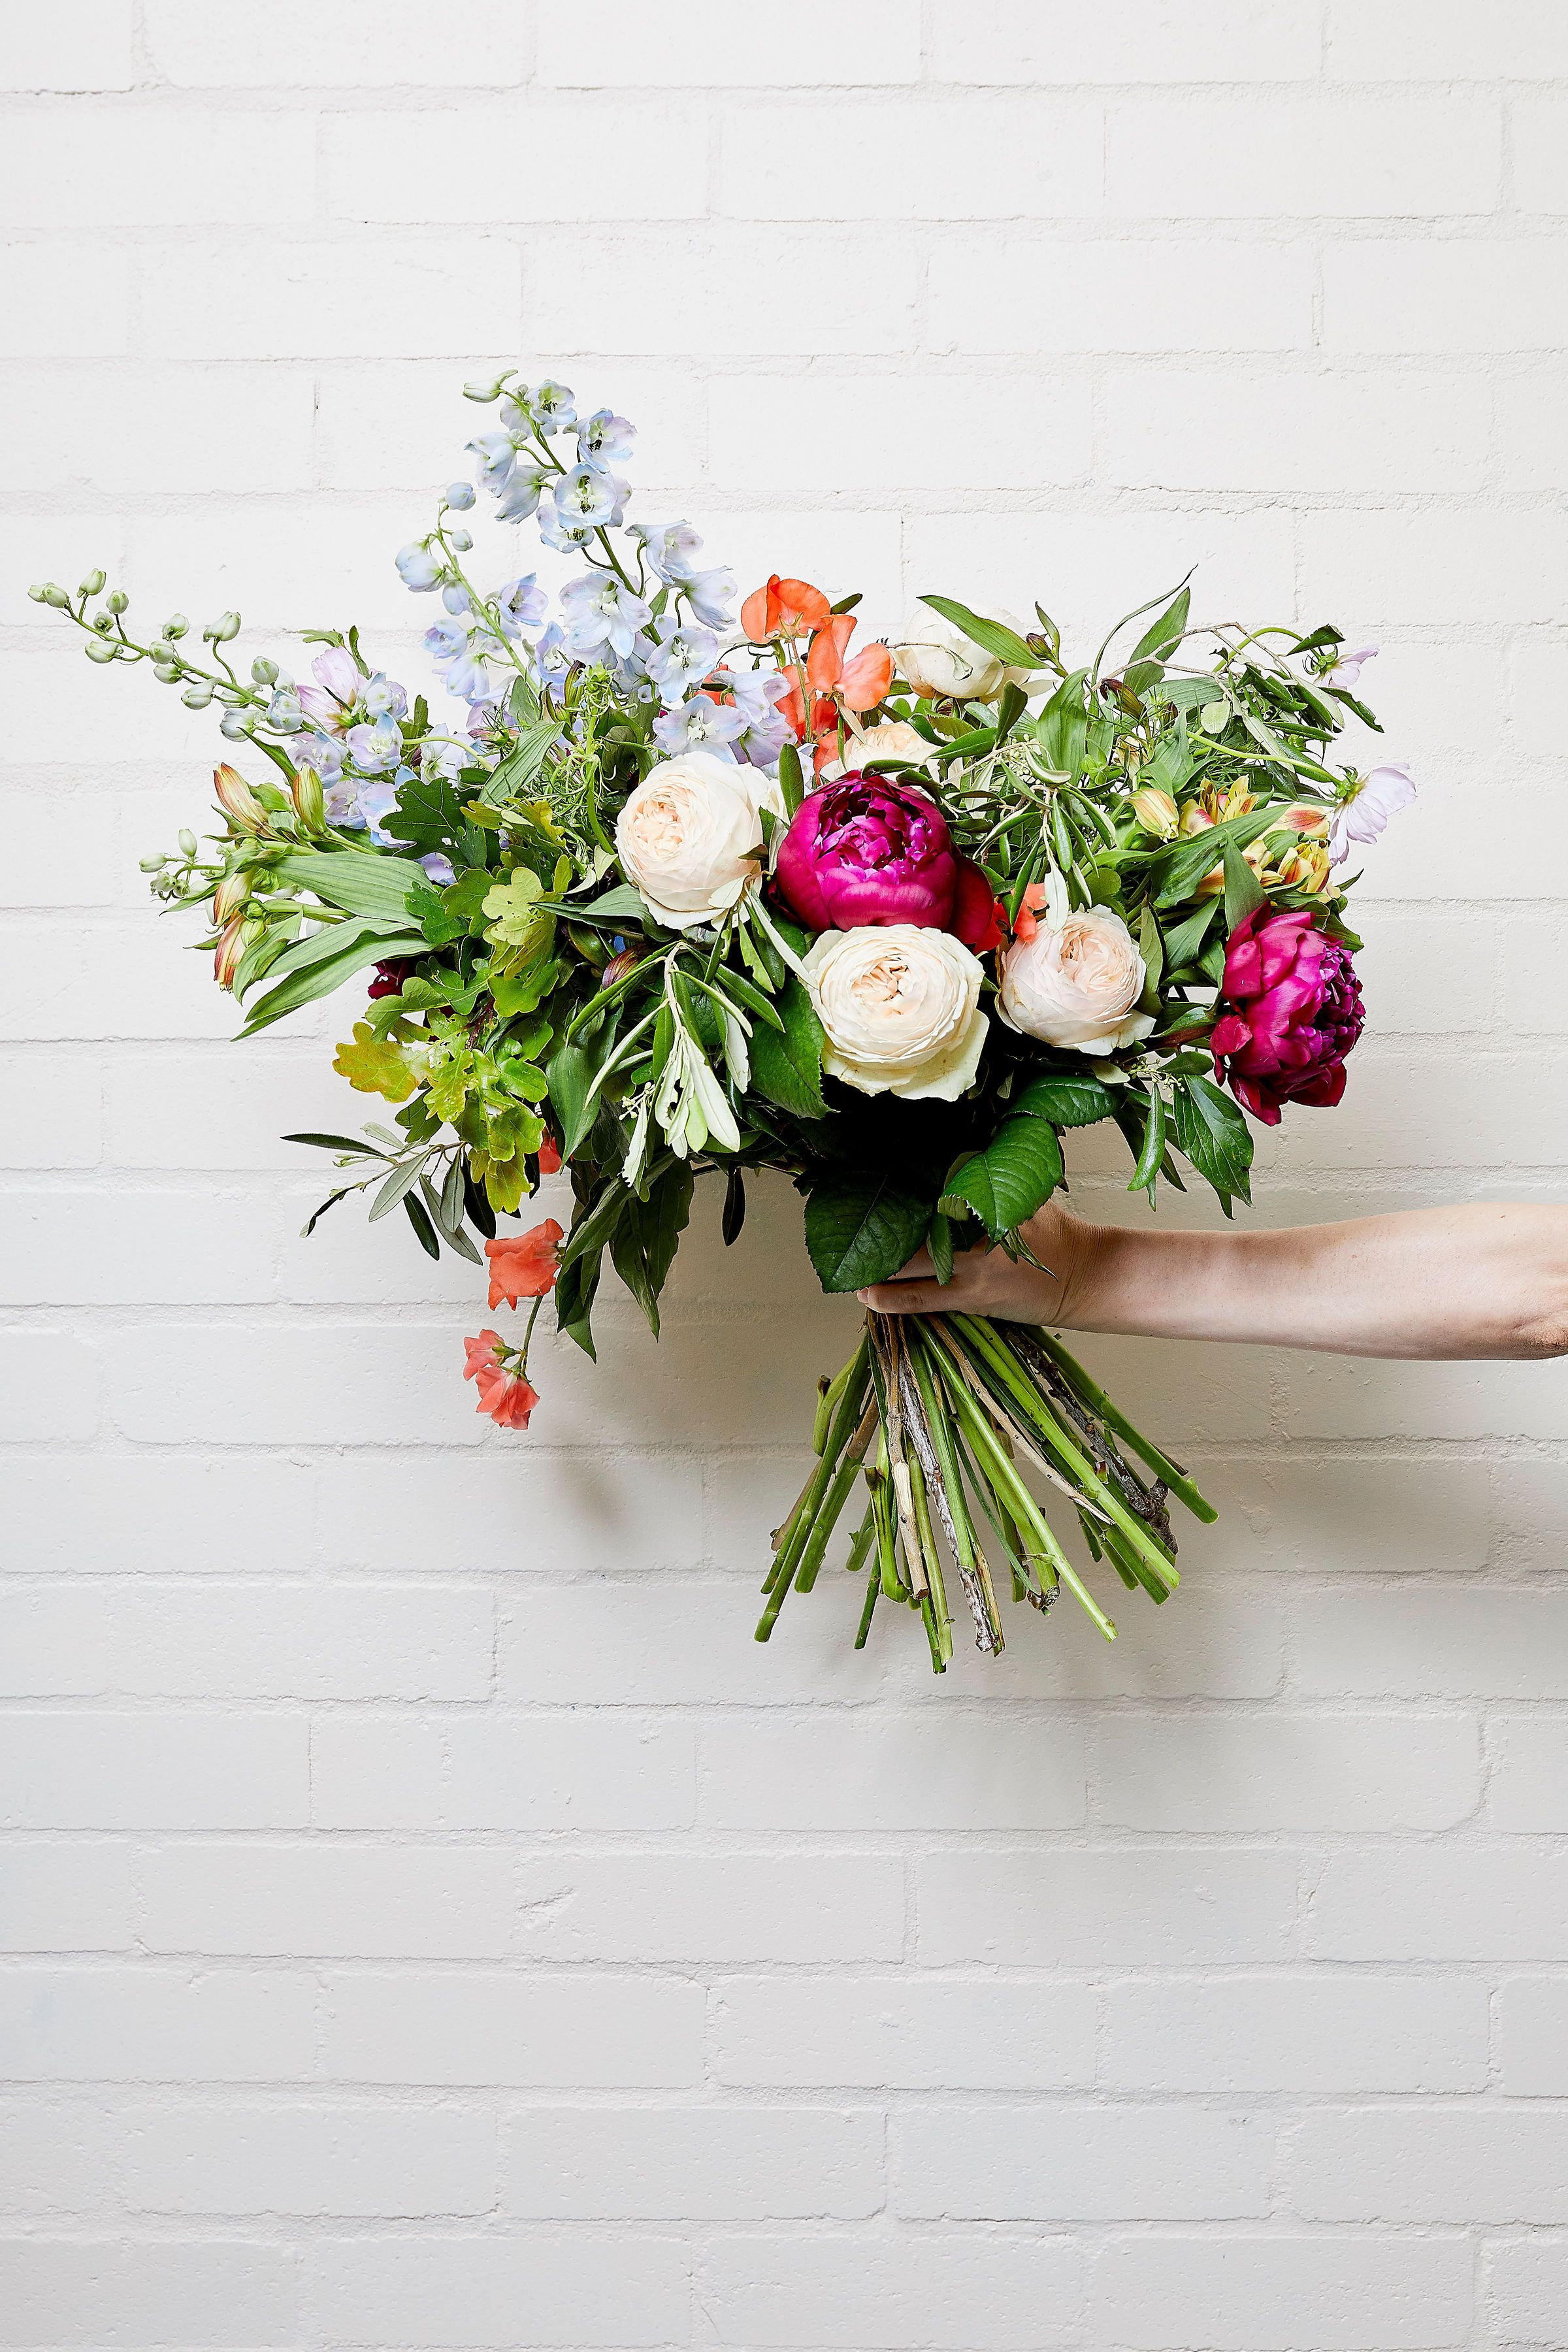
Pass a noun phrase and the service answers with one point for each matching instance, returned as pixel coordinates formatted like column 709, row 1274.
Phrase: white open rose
column 900, row 1005
column 1076, row 984
column 688, row 834
column 938, row 658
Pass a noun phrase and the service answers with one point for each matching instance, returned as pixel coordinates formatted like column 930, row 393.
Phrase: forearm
column 1482, row 1281
column 1490, row 1280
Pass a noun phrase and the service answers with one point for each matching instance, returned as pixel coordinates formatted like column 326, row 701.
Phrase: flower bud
column 1156, row 812
column 310, row 803
column 237, row 802
column 55, row 595
column 98, row 650
column 1308, row 819
column 263, row 671
column 92, row 585
column 460, row 495
column 236, row 726
column 229, row 949
column 37, row 592
column 116, row 599
column 167, row 673
column 187, row 840
column 220, row 630
column 462, row 540
column 486, row 387
column 618, row 967
column 197, row 695
column 1306, row 868
column 230, row 896
column 175, row 625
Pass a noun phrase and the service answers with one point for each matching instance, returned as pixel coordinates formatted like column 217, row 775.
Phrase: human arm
column 1489, row 1280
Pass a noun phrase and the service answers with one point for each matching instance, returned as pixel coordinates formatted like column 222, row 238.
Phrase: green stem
column 1091, row 1395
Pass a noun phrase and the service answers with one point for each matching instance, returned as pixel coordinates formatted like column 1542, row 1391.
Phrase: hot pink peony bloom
column 504, row 1390
column 867, row 850
column 1295, row 1011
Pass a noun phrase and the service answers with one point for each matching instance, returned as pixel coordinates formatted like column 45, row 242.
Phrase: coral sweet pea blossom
column 524, row 1265
column 503, row 1386
column 784, row 608
column 1294, row 1011
column 866, row 850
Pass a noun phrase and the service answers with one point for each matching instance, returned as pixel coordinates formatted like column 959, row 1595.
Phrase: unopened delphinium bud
column 263, row 671
column 98, row 650
column 116, row 599
column 175, row 625
column 460, row 495
column 486, row 387
column 236, row 725
column 220, row 630
column 53, row 593
column 187, row 843
column 462, row 540
column 93, row 584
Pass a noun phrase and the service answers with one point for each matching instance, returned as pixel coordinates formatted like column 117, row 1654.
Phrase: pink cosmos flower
column 1381, row 793
column 504, row 1390
column 1346, row 667
column 1294, row 1011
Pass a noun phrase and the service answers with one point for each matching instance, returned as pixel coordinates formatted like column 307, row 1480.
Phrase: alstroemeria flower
column 504, row 1390
column 524, row 1265
column 1361, row 815
column 784, row 608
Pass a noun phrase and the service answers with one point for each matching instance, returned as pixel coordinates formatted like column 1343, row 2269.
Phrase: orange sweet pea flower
column 504, row 1393
column 860, row 683
column 548, row 1156
column 784, row 608
column 1024, row 922
column 525, row 1265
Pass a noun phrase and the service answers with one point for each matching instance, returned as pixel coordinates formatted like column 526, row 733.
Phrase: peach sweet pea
column 524, row 1265
column 504, row 1390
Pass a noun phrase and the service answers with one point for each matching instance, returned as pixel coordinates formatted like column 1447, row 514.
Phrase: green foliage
column 1211, row 1131
column 1014, row 1176
column 786, row 1061
column 861, row 1227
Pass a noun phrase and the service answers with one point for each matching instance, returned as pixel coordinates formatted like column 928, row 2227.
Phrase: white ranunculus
column 1076, row 984
column 938, row 658
column 688, row 834
column 900, row 1005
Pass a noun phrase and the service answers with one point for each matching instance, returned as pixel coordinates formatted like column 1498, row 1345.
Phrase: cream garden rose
column 688, row 834
column 900, row 1005
column 938, row 658
column 1075, row 982
column 892, row 739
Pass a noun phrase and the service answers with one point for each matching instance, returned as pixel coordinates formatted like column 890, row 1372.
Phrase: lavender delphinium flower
column 680, row 658
column 670, row 550
column 766, row 731
column 520, row 604
column 522, row 493
column 600, row 609
column 587, row 496
column 605, row 438
column 561, row 532
column 699, row 725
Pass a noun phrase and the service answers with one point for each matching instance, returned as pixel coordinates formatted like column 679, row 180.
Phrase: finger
column 919, row 1265
column 901, row 1298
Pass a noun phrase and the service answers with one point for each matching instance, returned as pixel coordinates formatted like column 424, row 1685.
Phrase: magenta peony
column 867, row 850
column 1293, row 1011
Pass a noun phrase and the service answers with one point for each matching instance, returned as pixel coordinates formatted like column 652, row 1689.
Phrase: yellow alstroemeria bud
column 1156, row 812
column 310, row 802
column 237, row 802
column 229, row 951
column 1308, row 820
column 1307, row 868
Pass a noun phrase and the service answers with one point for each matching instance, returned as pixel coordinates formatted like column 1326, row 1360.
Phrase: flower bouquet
column 664, row 892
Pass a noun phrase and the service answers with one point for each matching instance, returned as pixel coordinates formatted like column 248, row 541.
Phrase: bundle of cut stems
column 938, row 1414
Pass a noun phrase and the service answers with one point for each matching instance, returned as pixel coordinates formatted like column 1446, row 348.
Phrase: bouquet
column 659, row 890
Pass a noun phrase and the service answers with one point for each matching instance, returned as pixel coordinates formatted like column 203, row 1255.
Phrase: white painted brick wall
column 428, row 1919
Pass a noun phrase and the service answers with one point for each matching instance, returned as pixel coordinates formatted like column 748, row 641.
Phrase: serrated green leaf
column 1066, row 1100
column 786, row 1062
column 863, row 1228
column 1213, row 1132
column 1015, row 1174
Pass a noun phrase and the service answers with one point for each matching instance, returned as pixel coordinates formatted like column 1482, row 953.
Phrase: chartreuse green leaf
column 1015, row 1174
column 364, row 883
column 786, row 1062
column 1213, row 1132
column 862, row 1228
column 372, row 1067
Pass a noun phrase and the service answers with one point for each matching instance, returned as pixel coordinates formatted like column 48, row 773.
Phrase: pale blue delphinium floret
column 497, row 454
column 561, row 531
column 520, row 604
column 375, row 745
column 605, row 438
column 699, row 725
column 681, row 659
column 522, row 494
column 460, row 495
column 600, row 609
column 552, row 406
column 586, row 495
